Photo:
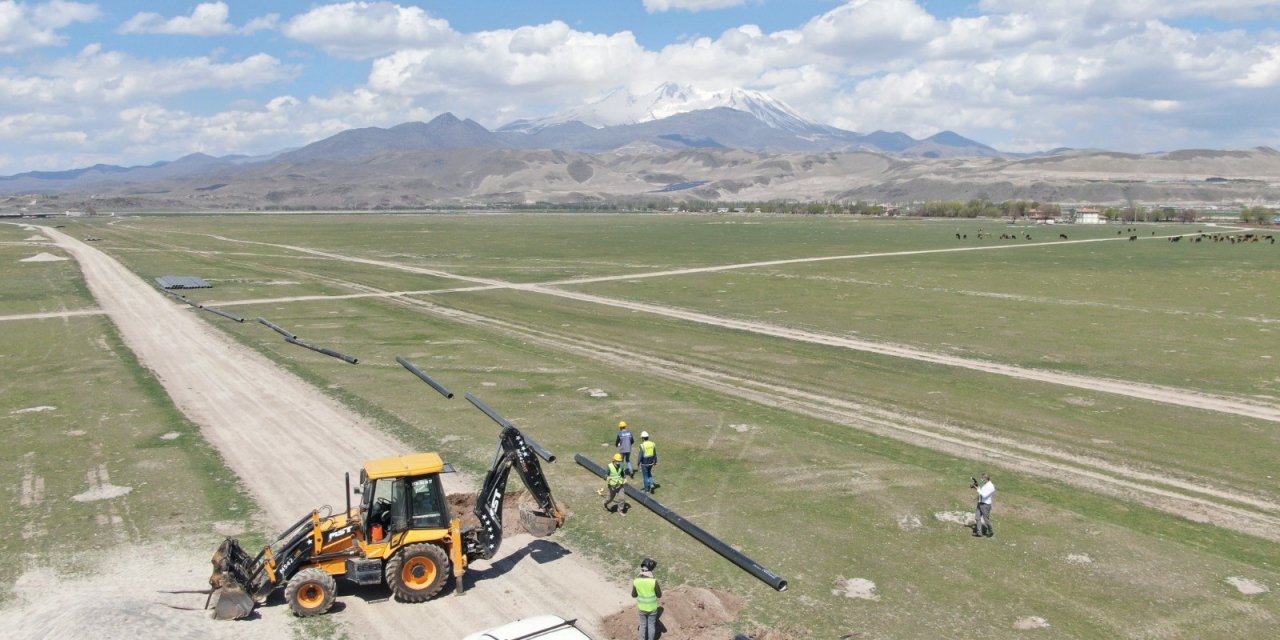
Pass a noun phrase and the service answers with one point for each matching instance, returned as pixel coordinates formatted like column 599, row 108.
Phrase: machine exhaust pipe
column 424, row 377
column 729, row 553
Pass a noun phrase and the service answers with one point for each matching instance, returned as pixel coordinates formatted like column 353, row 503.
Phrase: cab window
column 426, row 503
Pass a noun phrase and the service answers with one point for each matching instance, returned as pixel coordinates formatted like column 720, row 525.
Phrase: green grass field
column 96, row 456
column 764, row 440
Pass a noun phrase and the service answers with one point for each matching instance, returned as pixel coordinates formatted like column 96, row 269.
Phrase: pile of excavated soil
column 463, row 505
column 687, row 613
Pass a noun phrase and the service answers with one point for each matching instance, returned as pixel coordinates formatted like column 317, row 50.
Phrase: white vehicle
column 545, row 627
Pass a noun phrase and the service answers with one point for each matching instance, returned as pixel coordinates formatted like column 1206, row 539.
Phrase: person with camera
column 986, row 492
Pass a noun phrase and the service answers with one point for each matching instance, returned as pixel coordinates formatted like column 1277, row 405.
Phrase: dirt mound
column 687, row 613
column 463, row 505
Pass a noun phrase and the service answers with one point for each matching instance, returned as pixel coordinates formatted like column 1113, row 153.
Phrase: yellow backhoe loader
column 400, row 533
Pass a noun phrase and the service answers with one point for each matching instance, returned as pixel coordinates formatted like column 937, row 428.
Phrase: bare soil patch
column 1246, row 586
column 44, row 257
column 687, row 613
column 124, row 599
column 1031, row 622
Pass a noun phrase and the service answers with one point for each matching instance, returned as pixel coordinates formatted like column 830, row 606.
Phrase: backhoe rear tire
column 310, row 592
column 417, row 572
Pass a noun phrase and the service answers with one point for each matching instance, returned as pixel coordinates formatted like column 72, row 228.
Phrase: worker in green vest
column 646, row 591
column 615, row 482
column 648, row 460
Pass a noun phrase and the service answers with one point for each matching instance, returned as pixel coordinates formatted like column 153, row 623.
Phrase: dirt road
column 290, row 444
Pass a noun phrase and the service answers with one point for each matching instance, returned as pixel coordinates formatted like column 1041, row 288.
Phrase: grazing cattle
column 1132, row 238
column 957, row 236
column 1062, row 236
column 1028, row 236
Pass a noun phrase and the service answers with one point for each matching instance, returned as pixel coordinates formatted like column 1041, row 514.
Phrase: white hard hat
column 644, row 434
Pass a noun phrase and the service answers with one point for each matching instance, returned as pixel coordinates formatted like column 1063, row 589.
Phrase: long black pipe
column 424, row 377
column 730, row 554
column 288, row 335
column 327, row 352
column 223, row 314
column 544, row 453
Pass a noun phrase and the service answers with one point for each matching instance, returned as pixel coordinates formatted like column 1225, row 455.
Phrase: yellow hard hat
column 617, row 457
column 622, row 424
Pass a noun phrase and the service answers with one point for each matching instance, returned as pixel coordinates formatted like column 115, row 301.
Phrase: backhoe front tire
column 417, row 572
column 310, row 592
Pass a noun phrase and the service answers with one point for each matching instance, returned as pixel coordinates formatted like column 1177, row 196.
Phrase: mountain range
column 672, row 143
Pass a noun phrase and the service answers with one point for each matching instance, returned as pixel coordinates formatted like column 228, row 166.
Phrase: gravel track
column 289, row 444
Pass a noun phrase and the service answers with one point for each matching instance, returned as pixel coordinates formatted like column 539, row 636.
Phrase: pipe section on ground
column 542, row 452
column 714, row 543
column 327, row 352
column 288, row 335
column 223, row 314
column 424, row 377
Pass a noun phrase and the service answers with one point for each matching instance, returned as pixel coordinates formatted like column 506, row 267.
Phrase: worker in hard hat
column 648, row 460
column 646, row 591
column 615, row 481
column 623, row 443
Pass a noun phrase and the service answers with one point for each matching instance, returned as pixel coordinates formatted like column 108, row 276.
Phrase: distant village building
column 1089, row 215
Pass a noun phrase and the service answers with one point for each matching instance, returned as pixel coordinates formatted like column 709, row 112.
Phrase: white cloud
column 1102, row 10
column 207, row 19
column 26, row 26
column 97, row 77
column 1017, row 74
column 872, row 29
column 367, row 29
column 658, row 6
column 546, row 58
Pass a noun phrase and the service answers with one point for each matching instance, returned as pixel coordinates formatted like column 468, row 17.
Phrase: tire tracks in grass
column 1144, row 391
column 1191, row 498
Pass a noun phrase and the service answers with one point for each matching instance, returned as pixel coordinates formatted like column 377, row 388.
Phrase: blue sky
column 141, row 81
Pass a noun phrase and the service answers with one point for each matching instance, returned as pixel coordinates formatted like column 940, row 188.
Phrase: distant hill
column 686, row 169
column 672, row 144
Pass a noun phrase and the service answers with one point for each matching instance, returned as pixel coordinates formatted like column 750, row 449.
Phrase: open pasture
column 97, row 462
column 842, row 469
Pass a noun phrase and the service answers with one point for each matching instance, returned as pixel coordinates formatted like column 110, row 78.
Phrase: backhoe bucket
column 233, row 569
column 232, row 603
column 538, row 522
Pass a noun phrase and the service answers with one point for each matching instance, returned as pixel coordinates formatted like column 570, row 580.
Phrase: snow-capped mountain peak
column 620, row 106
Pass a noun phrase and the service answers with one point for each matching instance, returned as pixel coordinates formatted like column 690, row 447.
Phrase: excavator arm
column 514, row 452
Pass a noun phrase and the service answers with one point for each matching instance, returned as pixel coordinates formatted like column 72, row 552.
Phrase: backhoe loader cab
column 402, row 493
column 401, row 533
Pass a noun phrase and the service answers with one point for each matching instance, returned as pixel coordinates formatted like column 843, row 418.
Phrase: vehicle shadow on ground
column 540, row 551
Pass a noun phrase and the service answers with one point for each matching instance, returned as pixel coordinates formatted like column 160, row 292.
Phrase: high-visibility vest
column 646, row 594
column 615, row 474
column 648, row 449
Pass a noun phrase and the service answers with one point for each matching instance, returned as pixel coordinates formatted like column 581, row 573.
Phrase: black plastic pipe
column 223, row 314
column 714, row 543
column 288, row 335
column 542, row 452
column 327, row 352
column 422, row 375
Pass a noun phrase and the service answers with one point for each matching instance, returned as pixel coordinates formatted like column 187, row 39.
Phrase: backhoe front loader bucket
column 235, row 575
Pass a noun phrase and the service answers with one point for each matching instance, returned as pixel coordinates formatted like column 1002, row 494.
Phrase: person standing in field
column 646, row 591
column 615, row 482
column 986, row 492
column 623, row 442
column 648, row 460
